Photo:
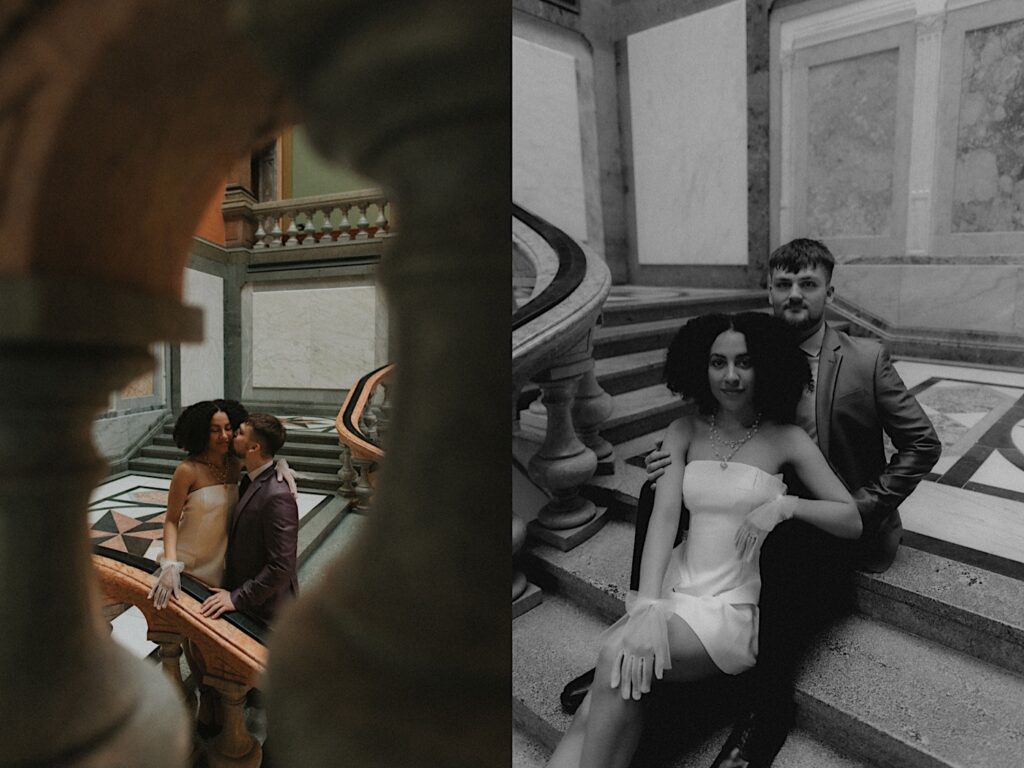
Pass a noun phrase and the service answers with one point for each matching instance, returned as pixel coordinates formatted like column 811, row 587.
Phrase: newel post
column 407, row 635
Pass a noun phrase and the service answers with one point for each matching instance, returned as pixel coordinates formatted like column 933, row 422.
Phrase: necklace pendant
column 724, row 464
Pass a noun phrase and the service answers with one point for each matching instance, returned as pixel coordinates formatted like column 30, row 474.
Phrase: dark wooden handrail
column 572, row 267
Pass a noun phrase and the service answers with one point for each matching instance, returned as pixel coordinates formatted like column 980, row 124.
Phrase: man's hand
column 217, row 604
column 656, row 462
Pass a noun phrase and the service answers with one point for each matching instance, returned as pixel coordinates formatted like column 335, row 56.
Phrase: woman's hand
column 761, row 521
column 284, row 472
column 166, row 582
column 644, row 652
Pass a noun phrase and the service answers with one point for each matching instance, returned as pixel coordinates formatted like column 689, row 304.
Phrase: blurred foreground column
column 118, row 119
column 400, row 656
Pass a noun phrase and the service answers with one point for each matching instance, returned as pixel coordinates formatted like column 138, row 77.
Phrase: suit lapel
column 254, row 486
column 828, row 370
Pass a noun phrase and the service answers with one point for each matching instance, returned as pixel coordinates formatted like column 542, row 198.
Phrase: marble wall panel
column 873, row 288
column 851, row 115
column 959, row 296
column 988, row 191
column 547, row 153
column 688, row 117
column 114, row 435
column 202, row 364
column 313, row 338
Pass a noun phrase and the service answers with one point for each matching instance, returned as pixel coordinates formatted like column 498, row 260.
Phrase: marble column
column 399, row 656
column 68, row 693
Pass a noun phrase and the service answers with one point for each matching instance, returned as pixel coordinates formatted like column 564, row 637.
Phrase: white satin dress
column 706, row 582
column 203, row 531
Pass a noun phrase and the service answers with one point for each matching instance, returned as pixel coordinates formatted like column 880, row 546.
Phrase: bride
column 695, row 613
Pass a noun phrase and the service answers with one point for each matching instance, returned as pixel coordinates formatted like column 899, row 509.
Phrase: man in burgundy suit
column 259, row 573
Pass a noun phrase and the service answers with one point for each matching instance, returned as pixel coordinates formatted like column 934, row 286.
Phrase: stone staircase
column 313, row 456
column 928, row 673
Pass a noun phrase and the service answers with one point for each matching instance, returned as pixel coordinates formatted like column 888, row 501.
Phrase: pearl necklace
column 734, row 445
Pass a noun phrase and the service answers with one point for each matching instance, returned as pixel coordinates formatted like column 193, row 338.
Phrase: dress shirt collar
column 259, row 470
column 812, row 344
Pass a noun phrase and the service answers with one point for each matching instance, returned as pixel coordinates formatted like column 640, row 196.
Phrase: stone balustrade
column 362, row 424
column 322, row 220
column 232, row 660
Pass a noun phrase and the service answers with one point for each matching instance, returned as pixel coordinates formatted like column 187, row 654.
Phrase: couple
column 733, row 597
column 240, row 540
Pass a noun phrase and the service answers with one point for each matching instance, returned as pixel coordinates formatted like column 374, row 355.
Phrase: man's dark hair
column 802, row 253
column 781, row 372
column 192, row 429
column 268, row 431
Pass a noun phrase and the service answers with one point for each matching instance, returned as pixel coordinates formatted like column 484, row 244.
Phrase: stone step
column 872, row 690
column 641, row 411
column 303, row 436
column 611, row 341
column 970, row 610
column 631, row 371
column 626, row 312
column 557, row 640
column 320, row 481
column 321, row 450
column 298, row 462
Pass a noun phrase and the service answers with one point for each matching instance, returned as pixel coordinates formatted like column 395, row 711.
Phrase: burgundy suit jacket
column 260, row 565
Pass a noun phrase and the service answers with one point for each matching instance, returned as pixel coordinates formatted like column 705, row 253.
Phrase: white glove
column 284, row 472
column 643, row 652
column 760, row 522
column 166, row 582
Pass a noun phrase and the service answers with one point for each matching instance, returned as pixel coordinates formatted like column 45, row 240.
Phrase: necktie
column 246, row 482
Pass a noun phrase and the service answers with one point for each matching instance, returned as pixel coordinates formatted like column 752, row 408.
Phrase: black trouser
column 806, row 583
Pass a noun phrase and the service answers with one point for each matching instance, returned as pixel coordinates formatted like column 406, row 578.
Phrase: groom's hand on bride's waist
column 217, row 604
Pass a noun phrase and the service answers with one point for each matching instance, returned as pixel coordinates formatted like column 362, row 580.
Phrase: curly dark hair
column 192, row 429
column 781, row 372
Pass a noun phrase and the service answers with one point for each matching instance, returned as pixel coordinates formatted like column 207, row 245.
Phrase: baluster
column 260, row 234
column 291, row 238
column 327, row 227
column 344, row 227
column 524, row 594
column 275, row 232
column 384, row 415
column 170, row 653
column 381, row 223
column 562, row 465
column 363, row 490
column 368, row 424
column 234, row 745
column 347, row 474
column 363, row 224
column 592, row 408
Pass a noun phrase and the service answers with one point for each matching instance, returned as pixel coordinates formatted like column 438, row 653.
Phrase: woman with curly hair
column 204, row 490
column 695, row 613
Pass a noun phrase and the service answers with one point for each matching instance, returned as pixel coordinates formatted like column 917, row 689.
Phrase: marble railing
column 231, row 650
column 362, row 423
column 552, row 346
column 322, row 220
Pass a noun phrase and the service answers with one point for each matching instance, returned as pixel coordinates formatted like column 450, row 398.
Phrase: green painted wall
column 313, row 175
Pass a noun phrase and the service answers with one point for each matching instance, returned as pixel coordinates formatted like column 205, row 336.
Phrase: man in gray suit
column 806, row 573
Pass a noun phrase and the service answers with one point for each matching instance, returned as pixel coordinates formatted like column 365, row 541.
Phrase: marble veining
column 851, row 145
column 988, row 191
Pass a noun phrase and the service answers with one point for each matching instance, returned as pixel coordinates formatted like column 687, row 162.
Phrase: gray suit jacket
column 859, row 396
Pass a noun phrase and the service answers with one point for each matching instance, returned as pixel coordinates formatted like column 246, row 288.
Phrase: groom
column 806, row 574
column 260, row 565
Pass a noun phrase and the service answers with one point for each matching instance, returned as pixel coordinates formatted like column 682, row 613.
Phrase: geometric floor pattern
column 126, row 513
column 310, row 423
column 974, row 496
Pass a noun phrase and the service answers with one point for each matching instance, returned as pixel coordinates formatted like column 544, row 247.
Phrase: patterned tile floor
column 974, row 497
column 126, row 513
